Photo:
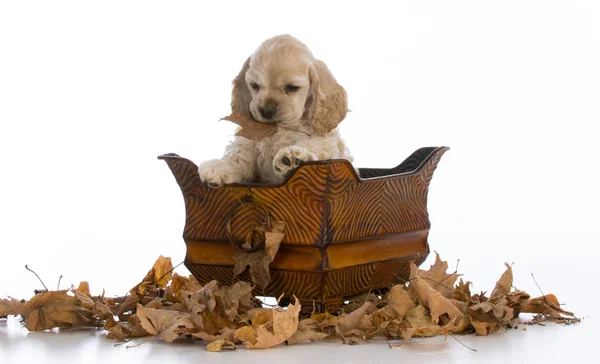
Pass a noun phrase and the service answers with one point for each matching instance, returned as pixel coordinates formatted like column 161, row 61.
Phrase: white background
column 92, row 92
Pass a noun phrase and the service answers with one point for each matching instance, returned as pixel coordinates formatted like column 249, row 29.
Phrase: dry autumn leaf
column 57, row 309
column 438, row 279
column 11, row 306
column 259, row 261
column 250, row 128
column 432, row 299
column 219, row 345
column 285, row 324
column 157, row 277
column 163, row 323
column 240, row 293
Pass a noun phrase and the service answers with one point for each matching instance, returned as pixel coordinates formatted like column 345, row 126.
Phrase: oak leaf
column 250, row 128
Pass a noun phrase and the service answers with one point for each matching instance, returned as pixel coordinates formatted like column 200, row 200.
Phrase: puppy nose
column 269, row 110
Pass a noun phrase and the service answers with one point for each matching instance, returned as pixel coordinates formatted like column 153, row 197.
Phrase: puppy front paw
column 216, row 173
column 289, row 158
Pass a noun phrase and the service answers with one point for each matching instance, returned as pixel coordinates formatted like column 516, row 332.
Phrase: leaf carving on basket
column 250, row 128
column 259, row 261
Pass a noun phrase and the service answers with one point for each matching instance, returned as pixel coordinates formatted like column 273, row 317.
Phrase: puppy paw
column 289, row 158
column 215, row 173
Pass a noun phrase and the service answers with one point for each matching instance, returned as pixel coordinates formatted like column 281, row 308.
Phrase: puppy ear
column 329, row 100
column 240, row 94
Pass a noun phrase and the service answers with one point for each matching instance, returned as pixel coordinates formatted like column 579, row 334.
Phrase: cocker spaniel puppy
column 282, row 83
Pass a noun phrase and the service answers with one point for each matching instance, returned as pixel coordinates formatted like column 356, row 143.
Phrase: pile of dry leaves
column 175, row 307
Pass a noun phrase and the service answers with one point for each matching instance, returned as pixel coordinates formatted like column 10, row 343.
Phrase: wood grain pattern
column 345, row 234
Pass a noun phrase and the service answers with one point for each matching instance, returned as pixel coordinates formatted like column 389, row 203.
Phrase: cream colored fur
column 307, row 117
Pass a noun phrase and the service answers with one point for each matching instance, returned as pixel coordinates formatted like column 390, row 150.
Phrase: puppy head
column 282, row 82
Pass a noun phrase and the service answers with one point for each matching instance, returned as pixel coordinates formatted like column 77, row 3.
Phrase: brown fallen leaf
column 12, row 306
column 285, row 324
column 181, row 284
column 240, row 293
column 437, row 277
column 84, row 287
column 246, row 334
column 432, row 299
column 219, row 345
column 115, row 329
column 307, row 331
column 504, row 284
column 398, row 304
column 352, row 320
column 157, row 277
column 250, row 128
column 57, row 309
column 163, row 323
column 259, row 261
column 549, row 306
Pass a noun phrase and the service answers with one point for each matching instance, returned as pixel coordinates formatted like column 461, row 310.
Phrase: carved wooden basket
column 344, row 234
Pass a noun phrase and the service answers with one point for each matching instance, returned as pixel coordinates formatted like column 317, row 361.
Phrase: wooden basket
column 344, row 234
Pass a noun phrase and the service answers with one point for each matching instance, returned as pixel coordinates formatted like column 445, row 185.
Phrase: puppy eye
column 255, row 86
column 291, row 88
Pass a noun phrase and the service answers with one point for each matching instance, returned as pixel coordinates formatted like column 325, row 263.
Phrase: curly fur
column 307, row 116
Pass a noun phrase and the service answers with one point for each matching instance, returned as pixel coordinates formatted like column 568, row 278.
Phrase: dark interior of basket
column 410, row 164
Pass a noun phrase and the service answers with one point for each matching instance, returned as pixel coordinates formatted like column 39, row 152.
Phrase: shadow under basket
column 344, row 235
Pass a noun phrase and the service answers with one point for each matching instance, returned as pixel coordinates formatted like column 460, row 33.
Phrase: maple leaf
column 285, row 324
column 163, row 323
column 438, row 279
column 201, row 302
column 250, row 128
column 157, row 277
column 259, row 261
column 57, row 309
column 432, row 299
column 232, row 296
